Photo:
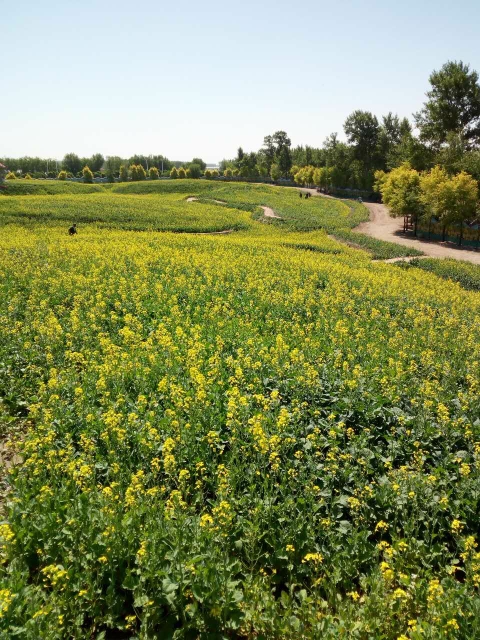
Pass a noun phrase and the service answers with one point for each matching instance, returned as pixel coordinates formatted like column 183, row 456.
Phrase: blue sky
column 201, row 78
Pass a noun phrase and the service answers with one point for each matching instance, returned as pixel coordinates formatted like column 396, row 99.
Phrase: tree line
column 445, row 132
column 73, row 165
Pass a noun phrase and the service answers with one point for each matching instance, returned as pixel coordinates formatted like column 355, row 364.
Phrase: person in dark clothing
column 73, row 230
column 300, row 194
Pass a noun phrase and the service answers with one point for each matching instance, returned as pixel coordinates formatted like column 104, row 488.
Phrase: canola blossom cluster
column 261, row 434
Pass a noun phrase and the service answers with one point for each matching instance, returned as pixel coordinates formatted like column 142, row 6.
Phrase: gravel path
column 384, row 227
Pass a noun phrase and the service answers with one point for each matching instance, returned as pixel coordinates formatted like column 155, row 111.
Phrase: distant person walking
column 73, row 230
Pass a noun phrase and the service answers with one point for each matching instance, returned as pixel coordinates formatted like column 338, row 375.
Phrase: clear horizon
column 195, row 80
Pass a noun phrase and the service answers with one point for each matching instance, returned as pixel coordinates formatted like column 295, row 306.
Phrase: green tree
column 362, row 131
column 153, row 173
column 72, row 163
column 227, row 172
column 194, row 171
column 412, row 150
column 464, row 200
column 87, row 174
column 123, row 173
column 453, row 105
column 208, row 174
column 96, row 162
column 275, row 172
column 112, row 167
column 389, row 136
column 200, row 162
column 173, row 173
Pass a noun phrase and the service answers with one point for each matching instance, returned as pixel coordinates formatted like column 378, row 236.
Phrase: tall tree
column 362, row 131
column 199, row 161
column 72, row 163
column 96, row 162
column 268, row 152
column 453, row 105
column 389, row 136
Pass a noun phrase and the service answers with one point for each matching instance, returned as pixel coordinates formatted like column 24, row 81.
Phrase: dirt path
column 269, row 213
column 193, row 199
column 383, row 227
column 314, row 192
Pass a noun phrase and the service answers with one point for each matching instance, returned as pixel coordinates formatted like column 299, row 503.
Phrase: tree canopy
column 453, row 105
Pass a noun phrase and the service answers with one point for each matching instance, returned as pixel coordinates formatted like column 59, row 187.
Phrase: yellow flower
column 315, row 558
column 206, row 520
column 457, row 526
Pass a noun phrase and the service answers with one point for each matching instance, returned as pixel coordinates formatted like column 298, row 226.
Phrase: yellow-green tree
column 132, row 169
column 153, row 173
column 62, row 175
column 401, row 192
column 227, row 173
column 174, row 173
column 435, row 192
column 87, row 174
column 123, row 173
column 10, row 176
column 182, row 173
column 141, row 173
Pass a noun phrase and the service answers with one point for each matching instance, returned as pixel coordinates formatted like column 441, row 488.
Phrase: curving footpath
column 384, row 227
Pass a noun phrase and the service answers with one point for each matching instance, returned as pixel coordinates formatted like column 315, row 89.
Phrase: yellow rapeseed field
column 263, row 434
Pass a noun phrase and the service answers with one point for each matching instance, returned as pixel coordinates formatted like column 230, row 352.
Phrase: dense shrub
column 87, row 175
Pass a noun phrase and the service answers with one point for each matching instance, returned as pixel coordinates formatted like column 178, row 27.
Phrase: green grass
column 48, row 188
column 465, row 273
column 379, row 249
